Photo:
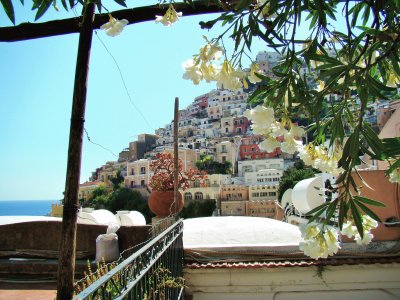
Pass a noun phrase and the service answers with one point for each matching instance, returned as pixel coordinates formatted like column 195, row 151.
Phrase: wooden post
column 176, row 158
column 66, row 261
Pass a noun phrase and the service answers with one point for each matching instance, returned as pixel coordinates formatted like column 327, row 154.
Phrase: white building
column 245, row 166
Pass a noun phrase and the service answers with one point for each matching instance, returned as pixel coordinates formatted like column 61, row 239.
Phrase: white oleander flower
column 367, row 238
column 311, row 248
column 349, row 229
column 290, row 145
column 309, row 231
column 269, row 144
column 209, row 72
column 192, row 71
column 261, row 115
column 211, row 52
column 226, row 77
column 114, row 26
column 254, row 68
column 369, row 223
column 394, row 176
column 170, row 17
column 297, row 131
column 278, row 129
column 331, row 239
column 305, row 156
column 318, row 244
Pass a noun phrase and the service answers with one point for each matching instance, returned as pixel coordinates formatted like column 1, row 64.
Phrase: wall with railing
column 153, row 271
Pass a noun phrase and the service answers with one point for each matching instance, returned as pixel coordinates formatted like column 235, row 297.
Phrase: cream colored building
column 263, row 177
column 233, row 208
column 109, row 170
column 245, row 166
column 188, row 156
column 210, row 190
column 227, row 151
column 234, row 192
column 264, row 208
column 263, row 192
column 86, row 189
column 227, row 126
column 138, row 173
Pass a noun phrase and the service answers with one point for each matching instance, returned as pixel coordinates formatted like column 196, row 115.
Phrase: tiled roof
column 294, row 263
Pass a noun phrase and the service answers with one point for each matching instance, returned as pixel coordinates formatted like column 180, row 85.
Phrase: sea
column 26, row 207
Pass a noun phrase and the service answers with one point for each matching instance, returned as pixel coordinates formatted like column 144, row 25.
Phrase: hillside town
column 214, row 128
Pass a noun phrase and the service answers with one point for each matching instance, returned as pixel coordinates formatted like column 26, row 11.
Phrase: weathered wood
column 176, row 154
column 66, row 262
column 27, row 31
column 44, row 254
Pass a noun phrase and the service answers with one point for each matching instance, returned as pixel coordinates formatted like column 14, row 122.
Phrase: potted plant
column 161, row 200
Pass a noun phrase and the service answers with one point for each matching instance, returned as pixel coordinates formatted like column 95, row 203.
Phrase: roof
column 334, row 261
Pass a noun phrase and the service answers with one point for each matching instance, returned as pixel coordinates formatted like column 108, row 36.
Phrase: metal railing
column 152, row 272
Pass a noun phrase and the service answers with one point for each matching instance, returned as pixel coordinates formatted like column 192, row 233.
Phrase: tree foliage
column 197, row 209
column 208, row 164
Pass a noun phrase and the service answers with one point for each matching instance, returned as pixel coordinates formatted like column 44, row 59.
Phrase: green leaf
column 120, row 2
column 331, row 210
column 342, row 213
column 392, row 146
column 367, row 210
column 242, row 4
column 316, row 212
column 357, row 218
column 393, row 167
column 369, row 201
column 44, row 6
column 372, row 138
column 64, row 4
column 9, row 9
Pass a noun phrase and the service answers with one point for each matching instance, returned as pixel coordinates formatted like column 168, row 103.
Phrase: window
column 188, row 196
column 142, row 183
column 198, row 196
column 132, row 184
column 239, row 130
column 143, row 170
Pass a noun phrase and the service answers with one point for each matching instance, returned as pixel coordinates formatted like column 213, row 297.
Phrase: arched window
column 188, row 196
column 198, row 196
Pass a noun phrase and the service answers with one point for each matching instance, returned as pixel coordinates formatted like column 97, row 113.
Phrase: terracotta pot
column 162, row 203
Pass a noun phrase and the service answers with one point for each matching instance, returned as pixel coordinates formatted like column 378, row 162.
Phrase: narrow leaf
column 9, row 9
column 357, row 218
column 368, row 211
column 318, row 208
column 369, row 201
column 44, row 6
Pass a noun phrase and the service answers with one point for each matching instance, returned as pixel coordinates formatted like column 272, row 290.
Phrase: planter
column 162, row 203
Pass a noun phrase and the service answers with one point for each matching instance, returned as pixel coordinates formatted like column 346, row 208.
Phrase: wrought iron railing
column 152, row 272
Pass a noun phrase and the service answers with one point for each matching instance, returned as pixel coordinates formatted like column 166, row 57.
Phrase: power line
column 124, row 83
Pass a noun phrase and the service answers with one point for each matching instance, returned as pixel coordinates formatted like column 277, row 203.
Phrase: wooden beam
column 176, row 154
column 28, row 31
column 66, row 261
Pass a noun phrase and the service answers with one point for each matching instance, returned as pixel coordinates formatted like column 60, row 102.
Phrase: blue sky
column 36, row 85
